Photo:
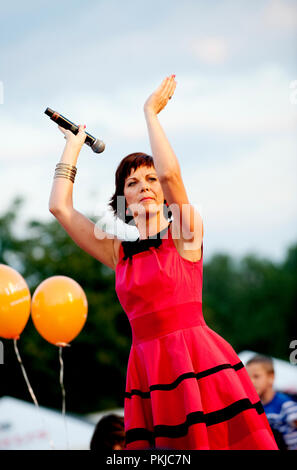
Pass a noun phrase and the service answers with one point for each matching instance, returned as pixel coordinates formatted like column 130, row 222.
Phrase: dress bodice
column 151, row 275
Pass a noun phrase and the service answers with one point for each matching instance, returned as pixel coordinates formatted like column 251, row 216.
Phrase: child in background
column 280, row 409
column 109, row 434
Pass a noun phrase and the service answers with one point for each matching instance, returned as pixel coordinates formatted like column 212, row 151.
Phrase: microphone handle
column 67, row 124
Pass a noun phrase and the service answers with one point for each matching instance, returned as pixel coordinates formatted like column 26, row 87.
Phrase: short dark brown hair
column 128, row 163
column 109, row 431
column 265, row 361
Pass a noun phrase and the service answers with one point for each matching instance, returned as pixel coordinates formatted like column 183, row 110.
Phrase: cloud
column 256, row 189
column 234, row 63
column 249, row 105
column 1, row 93
column 211, row 50
column 280, row 14
column 24, row 141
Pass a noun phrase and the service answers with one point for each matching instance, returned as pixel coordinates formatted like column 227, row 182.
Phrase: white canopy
column 24, row 426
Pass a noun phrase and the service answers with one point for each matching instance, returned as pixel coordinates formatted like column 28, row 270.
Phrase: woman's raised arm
column 61, row 194
column 187, row 220
column 79, row 227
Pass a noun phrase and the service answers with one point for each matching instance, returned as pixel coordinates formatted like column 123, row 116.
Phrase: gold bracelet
column 68, row 172
column 66, row 166
column 71, row 178
column 65, row 170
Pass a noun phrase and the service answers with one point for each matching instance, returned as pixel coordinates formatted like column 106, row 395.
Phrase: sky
column 232, row 120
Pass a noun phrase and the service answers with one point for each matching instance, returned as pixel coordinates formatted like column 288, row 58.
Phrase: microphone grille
column 98, row 146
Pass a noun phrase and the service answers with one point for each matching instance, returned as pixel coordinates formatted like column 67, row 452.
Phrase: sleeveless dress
column 186, row 388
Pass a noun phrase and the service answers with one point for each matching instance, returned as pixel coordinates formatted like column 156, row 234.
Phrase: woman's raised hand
column 78, row 139
column 158, row 100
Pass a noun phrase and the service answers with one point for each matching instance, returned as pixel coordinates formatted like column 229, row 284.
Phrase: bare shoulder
column 188, row 249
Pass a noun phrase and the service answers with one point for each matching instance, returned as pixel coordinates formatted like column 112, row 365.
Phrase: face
column 262, row 380
column 144, row 183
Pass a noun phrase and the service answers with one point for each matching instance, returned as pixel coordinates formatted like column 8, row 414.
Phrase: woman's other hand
column 76, row 140
column 158, row 100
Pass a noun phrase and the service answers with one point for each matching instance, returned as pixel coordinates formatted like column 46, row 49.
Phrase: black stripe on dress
column 197, row 417
column 187, row 375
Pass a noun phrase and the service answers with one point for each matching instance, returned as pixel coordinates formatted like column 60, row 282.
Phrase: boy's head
column 261, row 372
column 109, row 434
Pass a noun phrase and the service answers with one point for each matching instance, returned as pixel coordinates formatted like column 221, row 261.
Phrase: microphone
column 96, row 145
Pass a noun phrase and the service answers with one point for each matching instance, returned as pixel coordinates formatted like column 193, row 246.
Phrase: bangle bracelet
column 69, row 177
column 66, row 177
column 68, row 172
column 66, row 166
column 65, row 170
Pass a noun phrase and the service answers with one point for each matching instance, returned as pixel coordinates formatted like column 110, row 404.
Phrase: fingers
column 160, row 89
column 81, row 127
column 69, row 135
column 169, row 87
column 81, row 132
column 64, row 131
column 172, row 90
column 61, row 129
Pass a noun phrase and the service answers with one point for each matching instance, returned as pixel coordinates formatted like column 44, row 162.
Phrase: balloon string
column 63, row 393
column 28, row 384
column 24, row 373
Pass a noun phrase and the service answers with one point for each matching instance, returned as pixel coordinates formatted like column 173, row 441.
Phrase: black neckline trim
column 137, row 246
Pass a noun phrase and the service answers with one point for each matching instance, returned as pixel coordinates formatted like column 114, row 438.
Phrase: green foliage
column 250, row 302
column 95, row 363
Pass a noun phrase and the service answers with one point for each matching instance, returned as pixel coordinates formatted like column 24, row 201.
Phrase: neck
column 267, row 396
column 151, row 225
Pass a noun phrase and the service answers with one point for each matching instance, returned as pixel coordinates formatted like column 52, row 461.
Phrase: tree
column 95, row 364
column 251, row 302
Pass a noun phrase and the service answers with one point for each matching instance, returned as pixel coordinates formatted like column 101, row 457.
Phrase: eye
column 151, row 178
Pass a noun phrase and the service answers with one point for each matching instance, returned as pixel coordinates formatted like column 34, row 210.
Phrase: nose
column 145, row 185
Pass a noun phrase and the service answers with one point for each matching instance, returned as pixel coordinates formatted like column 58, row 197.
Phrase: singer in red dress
column 186, row 388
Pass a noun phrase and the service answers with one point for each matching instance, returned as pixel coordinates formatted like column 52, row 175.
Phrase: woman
column 186, row 388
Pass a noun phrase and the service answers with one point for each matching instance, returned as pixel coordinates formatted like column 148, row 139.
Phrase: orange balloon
column 59, row 309
column 15, row 300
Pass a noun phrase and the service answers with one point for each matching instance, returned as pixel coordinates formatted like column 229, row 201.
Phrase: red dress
column 186, row 388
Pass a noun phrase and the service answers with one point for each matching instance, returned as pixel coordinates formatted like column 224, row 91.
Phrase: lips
column 145, row 198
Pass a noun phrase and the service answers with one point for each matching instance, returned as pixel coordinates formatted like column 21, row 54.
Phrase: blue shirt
column 281, row 413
